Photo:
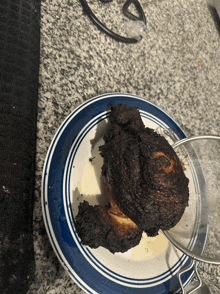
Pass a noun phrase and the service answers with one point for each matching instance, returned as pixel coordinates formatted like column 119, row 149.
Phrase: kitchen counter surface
column 176, row 66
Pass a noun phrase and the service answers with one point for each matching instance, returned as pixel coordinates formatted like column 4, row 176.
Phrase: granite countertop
column 176, row 66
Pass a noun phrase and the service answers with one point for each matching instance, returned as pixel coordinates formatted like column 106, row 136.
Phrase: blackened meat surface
column 96, row 227
column 145, row 185
column 146, row 176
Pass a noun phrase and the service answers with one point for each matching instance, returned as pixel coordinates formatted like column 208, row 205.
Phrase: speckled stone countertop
column 176, row 66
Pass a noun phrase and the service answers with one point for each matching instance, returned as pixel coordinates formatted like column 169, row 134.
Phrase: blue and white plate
column 71, row 174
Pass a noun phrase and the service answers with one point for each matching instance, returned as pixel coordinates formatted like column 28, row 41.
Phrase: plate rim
column 52, row 146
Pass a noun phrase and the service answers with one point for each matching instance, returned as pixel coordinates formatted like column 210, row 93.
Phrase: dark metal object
column 109, row 32
column 214, row 8
column 139, row 9
column 106, row 1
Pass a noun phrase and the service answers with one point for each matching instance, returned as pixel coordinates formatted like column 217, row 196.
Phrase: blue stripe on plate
column 64, row 245
column 87, row 252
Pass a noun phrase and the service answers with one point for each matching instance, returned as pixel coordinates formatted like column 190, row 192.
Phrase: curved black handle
column 106, row 1
column 139, row 9
column 103, row 28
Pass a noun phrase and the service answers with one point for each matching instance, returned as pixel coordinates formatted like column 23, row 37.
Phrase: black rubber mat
column 19, row 69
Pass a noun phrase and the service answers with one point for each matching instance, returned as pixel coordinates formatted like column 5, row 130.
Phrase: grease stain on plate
column 149, row 246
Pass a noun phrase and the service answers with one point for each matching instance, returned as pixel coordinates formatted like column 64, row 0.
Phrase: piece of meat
column 146, row 187
column 106, row 226
column 147, row 179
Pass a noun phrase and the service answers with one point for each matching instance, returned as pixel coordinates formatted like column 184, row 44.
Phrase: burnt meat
column 147, row 179
column 99, row 226
column 146, row 187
